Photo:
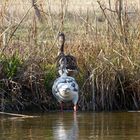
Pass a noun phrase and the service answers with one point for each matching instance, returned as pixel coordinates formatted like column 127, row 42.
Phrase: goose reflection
column 66, row 127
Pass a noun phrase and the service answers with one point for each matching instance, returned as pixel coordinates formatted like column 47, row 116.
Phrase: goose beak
column 67, row 90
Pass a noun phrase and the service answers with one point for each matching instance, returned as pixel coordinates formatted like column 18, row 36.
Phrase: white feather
column 65, row 88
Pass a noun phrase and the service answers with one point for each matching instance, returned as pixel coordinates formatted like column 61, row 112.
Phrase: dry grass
column 104, row 38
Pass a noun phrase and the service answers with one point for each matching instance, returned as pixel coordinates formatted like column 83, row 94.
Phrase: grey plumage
column 69, row 60
column 65, row 88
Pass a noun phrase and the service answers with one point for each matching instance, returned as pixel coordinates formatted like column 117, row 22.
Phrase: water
column 70, row 126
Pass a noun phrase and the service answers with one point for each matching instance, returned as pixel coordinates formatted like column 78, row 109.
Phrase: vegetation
column 105, row 41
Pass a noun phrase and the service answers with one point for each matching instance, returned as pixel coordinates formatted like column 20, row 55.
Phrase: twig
column 5, row 31
column 37, row 11
column 91, row 26
column 18, row 26
column 103, row 10
column 17, row 115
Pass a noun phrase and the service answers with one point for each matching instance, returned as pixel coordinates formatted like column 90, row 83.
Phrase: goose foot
column 75, row 108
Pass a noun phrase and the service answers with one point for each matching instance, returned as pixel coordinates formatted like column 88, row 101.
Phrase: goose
column 65, row 88
column 71, row 63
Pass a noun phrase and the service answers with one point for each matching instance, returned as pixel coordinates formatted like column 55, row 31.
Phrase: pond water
column 70, row 126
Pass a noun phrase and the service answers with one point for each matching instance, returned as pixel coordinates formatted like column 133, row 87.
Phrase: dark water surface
column 70, row 126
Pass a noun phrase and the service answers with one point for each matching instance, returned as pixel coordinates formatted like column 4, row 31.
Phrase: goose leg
column 75, row 108
column 61, row 105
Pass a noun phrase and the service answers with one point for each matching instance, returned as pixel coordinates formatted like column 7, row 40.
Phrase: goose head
column 61, row 41
column 65, row 92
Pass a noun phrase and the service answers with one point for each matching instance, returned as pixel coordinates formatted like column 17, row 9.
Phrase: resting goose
column 65, row 88
column 71, row 64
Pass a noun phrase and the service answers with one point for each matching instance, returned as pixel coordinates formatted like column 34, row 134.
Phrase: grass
column 105, row 42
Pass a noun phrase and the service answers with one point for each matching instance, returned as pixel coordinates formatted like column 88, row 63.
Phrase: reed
column 105, row 41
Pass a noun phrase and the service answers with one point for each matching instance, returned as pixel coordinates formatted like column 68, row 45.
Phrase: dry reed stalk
column 119, row 8
column 37, row 11
column 93, row 89
column 17, row 27
column 51, row 17
column 101, row 82
column 111, row 26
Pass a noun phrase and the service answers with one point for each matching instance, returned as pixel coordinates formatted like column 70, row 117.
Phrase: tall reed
column 105, row 41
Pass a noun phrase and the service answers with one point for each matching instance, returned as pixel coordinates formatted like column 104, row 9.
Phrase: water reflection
column 69, row 126
column 66, row 128
column 109, row 126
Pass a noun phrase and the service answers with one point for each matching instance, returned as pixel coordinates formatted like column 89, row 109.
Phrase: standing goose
column 70, row 61
column 65, row 87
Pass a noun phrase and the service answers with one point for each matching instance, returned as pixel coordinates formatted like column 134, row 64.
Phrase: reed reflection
column 109, row 126
column 69, row 126
column 66, row 127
